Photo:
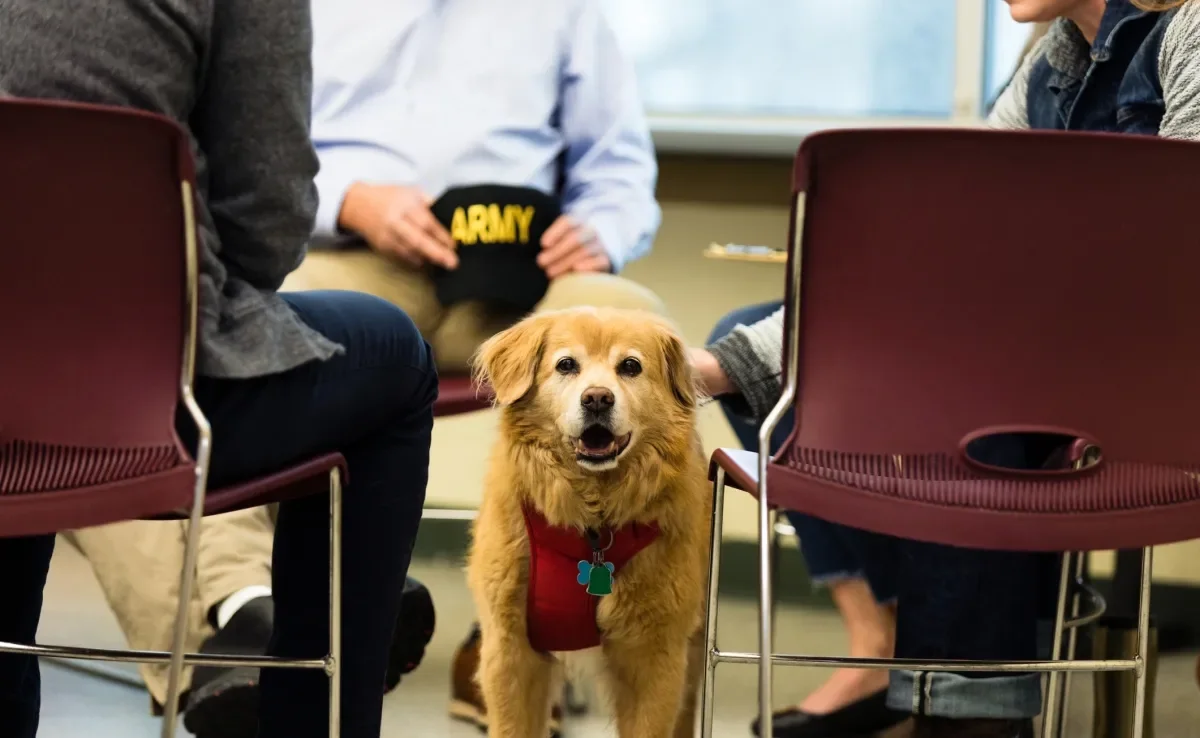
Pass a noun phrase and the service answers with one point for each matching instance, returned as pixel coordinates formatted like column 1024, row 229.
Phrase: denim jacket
column 1140, row 75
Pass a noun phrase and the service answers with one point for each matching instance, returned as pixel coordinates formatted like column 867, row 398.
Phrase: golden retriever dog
column 597, row 448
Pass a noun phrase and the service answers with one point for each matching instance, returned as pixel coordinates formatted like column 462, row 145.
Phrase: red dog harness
column 564, row 568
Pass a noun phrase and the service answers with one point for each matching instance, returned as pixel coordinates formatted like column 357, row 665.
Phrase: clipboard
column 740, row 252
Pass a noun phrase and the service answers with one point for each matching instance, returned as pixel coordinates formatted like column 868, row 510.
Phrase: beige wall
column 704, row 199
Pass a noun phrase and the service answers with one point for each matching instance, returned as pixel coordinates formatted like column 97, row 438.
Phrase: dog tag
column 596, row 574
column 600, row 579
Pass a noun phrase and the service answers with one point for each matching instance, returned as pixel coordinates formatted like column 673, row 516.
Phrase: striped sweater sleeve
column 752, row 357
column 1179, row 73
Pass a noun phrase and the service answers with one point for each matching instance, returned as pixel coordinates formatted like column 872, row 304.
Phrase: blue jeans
column 952, row 603
column 373, row 404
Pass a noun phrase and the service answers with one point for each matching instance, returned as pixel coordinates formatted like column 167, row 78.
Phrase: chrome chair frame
column 766, row 657
column 176, row 657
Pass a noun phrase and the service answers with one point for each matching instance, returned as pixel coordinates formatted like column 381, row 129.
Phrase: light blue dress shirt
column 443, row 93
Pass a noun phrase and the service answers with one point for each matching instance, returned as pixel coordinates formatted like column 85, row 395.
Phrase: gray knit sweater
column 752, row 357
column 237, row 75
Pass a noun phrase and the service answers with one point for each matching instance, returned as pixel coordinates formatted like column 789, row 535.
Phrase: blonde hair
column 1158, row 5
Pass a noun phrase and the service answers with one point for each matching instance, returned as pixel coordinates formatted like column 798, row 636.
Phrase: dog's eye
column 630, row 367
column 566, row 365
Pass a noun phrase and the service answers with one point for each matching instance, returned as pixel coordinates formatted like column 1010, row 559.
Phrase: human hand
column 570, row 246
column 396, row 220
column 713, row 379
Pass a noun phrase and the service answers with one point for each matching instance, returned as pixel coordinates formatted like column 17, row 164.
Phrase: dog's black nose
column 597, row 399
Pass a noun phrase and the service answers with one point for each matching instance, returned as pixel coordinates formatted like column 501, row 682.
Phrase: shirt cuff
column 340, row 168
column 332, row 191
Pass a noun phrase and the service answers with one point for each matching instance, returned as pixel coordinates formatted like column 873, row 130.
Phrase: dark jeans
column 953, row 603
column 374, row 404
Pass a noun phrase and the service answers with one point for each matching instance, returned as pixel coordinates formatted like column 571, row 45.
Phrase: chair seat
column 49, row 511
column 941, row 500
column 741, row 468
column 165, row 495
column 302, row 480
column 457, row 394
column 164, row 491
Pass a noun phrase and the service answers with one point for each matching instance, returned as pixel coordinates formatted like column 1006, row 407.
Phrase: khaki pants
column 138, row 563
column 457, row 331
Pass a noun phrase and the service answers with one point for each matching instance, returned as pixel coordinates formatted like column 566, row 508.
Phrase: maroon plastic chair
column 947, row 285
column 457, row 395
column 98, row 292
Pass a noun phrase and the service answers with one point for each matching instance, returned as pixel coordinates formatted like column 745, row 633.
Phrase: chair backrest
column 93, row 279
column 954, row 283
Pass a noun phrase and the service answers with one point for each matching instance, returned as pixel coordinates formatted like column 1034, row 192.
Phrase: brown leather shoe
column 925, row 726
column 466, row 701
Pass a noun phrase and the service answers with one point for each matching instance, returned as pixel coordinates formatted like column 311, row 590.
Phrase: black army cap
column 497, row 232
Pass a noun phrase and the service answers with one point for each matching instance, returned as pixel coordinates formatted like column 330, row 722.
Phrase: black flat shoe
column 856, row 720
column 414, row 631
column 223, row 702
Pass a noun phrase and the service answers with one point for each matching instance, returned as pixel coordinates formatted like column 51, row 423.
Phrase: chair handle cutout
column 1031, row 451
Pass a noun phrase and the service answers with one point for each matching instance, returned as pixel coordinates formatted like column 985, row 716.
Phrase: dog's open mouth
column 598, row 444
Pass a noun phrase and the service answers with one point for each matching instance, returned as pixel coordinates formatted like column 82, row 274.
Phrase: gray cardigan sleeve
column 1179, row 73
column 752, row 357
column 252, row 122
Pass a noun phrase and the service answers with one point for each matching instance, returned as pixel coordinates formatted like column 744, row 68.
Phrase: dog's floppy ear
column 679, row 368
column 508, row 361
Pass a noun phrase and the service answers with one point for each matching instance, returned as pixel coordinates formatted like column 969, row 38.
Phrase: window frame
column 774, row 136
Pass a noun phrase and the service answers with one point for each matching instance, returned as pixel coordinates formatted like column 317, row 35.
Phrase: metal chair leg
column 1080, row 565
column 776, row 546
column 1141, row 674
column 710, row 613
column 333, row 667
column 1050, row 716
column 187, row 581
column 766, row 641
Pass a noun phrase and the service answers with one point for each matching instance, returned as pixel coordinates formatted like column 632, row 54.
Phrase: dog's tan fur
column 651, row 624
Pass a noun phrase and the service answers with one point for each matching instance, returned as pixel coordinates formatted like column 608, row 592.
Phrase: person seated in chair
column 280, row 378
column 415, row 101
column 1104, row 65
